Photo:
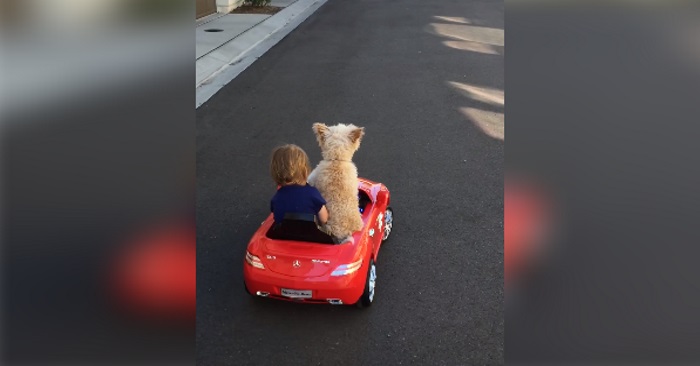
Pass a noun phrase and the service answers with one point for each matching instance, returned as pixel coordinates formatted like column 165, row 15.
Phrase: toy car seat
column 299, row 227
column 363, row 200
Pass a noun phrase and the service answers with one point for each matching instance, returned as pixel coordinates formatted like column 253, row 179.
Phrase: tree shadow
column 485, row 104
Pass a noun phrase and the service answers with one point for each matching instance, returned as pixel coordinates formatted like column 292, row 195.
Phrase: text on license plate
column 300, row 294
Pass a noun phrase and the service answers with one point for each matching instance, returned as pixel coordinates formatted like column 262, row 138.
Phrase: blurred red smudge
column 155, row 274
column 525, row 216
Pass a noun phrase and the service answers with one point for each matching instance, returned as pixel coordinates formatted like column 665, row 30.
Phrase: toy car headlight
column 253, row 260
column 346, row 269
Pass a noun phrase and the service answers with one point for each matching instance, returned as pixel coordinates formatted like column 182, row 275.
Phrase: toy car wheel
column 388, row 223
column 368, row 296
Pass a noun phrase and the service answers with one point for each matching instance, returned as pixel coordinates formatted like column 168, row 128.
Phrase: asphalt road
column 387, row 66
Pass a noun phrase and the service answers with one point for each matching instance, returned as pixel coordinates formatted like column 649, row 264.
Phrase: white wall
column 225, row 6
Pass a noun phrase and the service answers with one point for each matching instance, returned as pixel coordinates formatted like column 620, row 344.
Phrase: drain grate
column 213, row 30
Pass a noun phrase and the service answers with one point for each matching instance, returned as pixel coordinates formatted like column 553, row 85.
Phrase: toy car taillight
column 346, row 269
column 253, row 260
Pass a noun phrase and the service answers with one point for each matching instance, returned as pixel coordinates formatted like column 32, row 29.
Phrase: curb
column 236, row 55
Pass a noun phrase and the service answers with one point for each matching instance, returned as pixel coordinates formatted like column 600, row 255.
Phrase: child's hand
column 323, row 215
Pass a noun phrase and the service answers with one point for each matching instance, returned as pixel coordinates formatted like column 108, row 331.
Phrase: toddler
column 290, row 168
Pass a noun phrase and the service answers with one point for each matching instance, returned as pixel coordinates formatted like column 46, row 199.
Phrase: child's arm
column 323, row 215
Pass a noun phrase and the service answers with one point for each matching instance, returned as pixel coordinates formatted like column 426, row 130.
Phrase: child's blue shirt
column 296, row 199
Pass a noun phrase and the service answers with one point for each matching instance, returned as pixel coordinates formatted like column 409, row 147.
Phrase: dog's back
column 338, row 184
column 336, row 177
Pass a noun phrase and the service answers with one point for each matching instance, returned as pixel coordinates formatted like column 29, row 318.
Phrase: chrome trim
column 372, row 281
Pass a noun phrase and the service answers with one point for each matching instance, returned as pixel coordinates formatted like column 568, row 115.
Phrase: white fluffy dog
column 336, row 177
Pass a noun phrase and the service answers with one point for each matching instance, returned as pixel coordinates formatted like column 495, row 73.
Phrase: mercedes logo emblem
column 296, row 264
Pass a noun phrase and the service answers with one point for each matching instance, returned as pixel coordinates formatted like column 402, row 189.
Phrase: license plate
column 297, row 294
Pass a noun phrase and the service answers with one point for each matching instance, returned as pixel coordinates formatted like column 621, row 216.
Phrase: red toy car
column 299, row 262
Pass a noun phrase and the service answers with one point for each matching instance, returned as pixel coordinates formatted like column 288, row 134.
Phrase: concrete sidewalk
column 226, row 44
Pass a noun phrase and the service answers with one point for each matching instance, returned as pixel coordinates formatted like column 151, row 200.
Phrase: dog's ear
column 321, row 131
column 356, row 134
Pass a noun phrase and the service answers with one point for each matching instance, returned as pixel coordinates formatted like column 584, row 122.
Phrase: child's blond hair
column 289, row 165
